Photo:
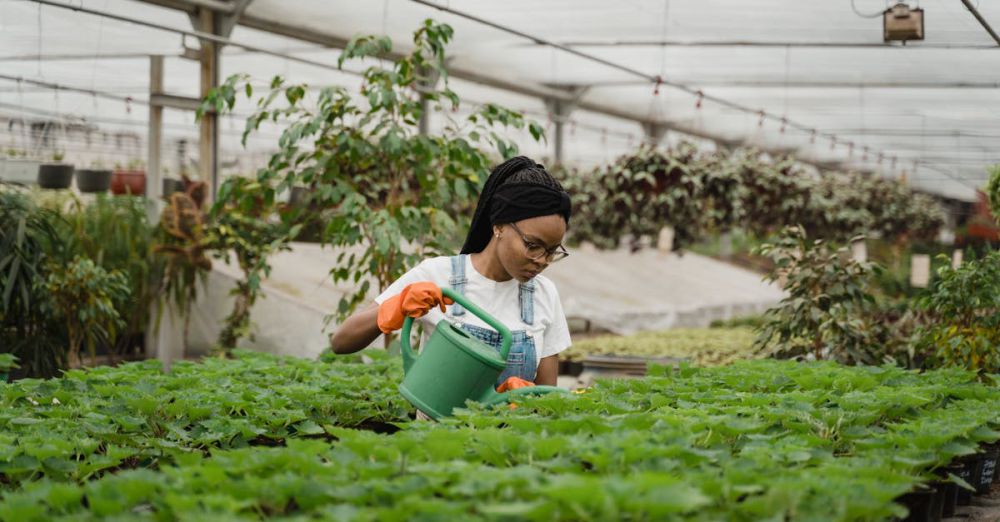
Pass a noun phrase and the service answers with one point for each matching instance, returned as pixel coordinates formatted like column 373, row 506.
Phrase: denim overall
column 521, row 360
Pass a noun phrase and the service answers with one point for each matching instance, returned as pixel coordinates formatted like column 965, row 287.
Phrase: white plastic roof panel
column 930, row 108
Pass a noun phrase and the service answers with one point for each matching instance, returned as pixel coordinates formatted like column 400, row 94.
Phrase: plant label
column 920, row 270
column 859, row 251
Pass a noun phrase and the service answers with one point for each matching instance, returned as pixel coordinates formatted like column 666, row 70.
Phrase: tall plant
column 826, row 312
column 83, row 296
column 180, row 239
column 244, row 222
column 993, row 190
column 964, row 304
column 28, row 235
column 115, row 233
column 392, row 193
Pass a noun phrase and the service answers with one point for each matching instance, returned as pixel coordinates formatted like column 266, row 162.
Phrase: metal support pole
column 560, row 110
column 429, row 83
column 208, row 151
column 155, row 137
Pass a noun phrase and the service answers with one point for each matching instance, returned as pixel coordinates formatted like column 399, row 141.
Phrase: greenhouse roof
column 813, row 78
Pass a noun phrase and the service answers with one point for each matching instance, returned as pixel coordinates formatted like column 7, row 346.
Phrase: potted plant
column 19, row 168
column 82, row 296
column 94, row 179
column 55, row 175
column 171, row 184
column 130, row 180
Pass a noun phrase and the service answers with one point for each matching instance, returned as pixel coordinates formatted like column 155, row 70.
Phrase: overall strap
column 458, row 282
column 526, row 298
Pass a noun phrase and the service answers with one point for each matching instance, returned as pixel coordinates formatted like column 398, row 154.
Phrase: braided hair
column 517, row 189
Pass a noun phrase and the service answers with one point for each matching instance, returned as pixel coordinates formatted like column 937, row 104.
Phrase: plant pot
column 171, row 186
column 298, row 196
column 128, row 182
column 572, row 368
column 55, row 176
column 949, row 489
column 920, row 505
column 93, row 180
column 988, row 469
column 972, row 467
column 19, row 171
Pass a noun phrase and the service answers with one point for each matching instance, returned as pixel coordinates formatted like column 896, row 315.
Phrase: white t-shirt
column 499, row 299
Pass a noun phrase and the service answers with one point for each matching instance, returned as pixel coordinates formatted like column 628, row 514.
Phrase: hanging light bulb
column 760, row 120
column 697, row 103
column 659, row 82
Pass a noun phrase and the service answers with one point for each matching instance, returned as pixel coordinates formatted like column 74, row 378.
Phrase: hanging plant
column 639, row 194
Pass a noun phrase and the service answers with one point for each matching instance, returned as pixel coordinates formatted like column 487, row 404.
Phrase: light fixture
column 901, row 23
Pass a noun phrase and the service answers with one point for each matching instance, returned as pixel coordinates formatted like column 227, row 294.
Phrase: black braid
column 520, row 170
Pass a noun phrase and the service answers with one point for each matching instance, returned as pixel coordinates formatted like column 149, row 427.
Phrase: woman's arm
column 548, row 370
column 357, row 332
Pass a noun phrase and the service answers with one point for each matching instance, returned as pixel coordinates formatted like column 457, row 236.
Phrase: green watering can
column 455, row 367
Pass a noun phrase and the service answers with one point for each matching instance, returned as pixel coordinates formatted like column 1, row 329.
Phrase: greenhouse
column 431, row 260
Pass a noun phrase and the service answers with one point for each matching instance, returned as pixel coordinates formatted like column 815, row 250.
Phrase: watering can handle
column 409, row 356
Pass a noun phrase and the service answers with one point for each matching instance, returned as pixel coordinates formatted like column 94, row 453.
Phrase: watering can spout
column 491, row 397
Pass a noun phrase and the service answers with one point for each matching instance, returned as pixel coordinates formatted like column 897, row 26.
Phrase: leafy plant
column 826, row 312
column 376, row 182
column 993, row 190
column 638, row 195
column 28, row 238
column 699, row 193
column 965, row 306
column 267, row 436
column 8, row 362
column 243, row 221
column 115, row 233
column 180, row 240
column 82, row 295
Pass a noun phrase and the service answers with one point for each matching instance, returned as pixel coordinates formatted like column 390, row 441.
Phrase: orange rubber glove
column 513, row 383
column 414, row 301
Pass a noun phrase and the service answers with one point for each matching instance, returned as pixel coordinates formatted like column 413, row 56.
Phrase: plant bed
column 264, row 436
column 623, row 366
column 701, row 346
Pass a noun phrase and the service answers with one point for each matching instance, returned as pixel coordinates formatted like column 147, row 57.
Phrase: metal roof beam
column 748, row 43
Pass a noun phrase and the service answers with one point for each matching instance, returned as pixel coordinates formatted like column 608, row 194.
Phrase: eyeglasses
column 536, row 252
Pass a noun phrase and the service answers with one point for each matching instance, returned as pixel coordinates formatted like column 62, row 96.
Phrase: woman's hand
column 414, row 301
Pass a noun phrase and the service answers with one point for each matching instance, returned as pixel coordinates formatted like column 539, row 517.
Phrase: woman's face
column 512, row 247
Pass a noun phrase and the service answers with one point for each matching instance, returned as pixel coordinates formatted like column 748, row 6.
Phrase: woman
column 516, row 232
